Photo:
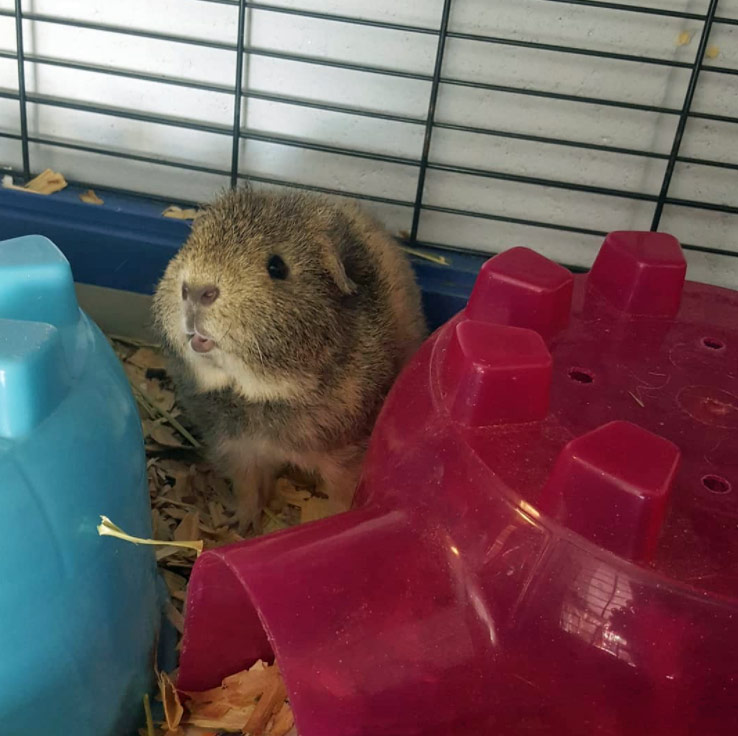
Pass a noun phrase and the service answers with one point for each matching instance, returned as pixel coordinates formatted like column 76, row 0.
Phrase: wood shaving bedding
column 190, row 503
column 252, row 702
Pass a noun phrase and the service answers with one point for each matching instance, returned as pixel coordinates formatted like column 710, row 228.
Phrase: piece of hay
column 178, row 213
column 440, row 260
column 149, row 718
column 107, row 528
column 47, row 182
column 404, row 236
column 153, row 409
column 89, row 197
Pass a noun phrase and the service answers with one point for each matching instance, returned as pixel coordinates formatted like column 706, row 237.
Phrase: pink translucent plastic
column 545, row 539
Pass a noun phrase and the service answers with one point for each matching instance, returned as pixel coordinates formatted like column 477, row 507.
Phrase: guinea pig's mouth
column 200, row 343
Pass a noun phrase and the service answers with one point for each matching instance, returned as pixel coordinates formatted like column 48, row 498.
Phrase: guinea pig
column 286, row 319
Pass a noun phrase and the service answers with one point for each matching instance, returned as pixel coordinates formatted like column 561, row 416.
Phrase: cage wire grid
column 438, row 79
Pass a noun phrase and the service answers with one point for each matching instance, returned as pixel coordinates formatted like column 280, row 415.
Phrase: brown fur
column 301, row 366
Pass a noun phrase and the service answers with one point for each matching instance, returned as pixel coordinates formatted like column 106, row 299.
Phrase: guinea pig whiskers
column 224, row 335
column 261, row 356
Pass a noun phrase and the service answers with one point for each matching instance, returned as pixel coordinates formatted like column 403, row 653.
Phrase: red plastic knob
column 611, row 486
column 496, row 374
column 523, row 289
column 640, row 273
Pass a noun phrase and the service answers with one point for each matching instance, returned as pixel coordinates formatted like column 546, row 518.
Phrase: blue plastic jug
column 79, row 613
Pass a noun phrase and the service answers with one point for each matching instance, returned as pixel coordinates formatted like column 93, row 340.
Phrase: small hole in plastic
column 716, row 484
column 712, row 343
column 581, row 376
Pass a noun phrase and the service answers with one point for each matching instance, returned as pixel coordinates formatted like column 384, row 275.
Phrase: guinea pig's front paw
column 253, row 488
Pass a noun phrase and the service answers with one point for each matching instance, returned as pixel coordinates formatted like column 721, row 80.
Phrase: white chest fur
column 217, row 370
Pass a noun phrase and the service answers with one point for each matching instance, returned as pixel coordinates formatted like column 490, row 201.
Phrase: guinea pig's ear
column 335, row 266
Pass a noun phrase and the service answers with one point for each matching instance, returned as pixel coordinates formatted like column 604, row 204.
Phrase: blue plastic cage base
column 126, row 243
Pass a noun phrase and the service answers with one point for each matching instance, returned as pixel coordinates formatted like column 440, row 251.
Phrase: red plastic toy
column 545, row 539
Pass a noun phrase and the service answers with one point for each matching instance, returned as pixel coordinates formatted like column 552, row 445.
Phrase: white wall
column 533, row 20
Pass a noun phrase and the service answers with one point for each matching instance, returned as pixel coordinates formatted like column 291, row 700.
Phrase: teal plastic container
column 79, row 613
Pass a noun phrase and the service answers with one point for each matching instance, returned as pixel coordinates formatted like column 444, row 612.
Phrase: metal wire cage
column 468, row 124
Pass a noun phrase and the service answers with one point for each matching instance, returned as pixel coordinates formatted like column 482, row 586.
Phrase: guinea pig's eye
column 277, row 268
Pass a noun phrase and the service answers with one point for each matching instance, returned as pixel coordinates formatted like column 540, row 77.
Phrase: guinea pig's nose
column 201, row 344
column 204, row 295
